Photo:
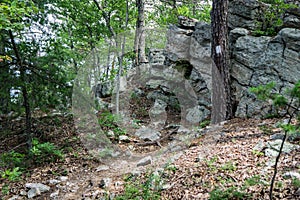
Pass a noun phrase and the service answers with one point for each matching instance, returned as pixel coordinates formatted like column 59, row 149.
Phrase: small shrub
column 290, row 103
column 211, row 163
column 44, row 152
column 263, row 92
column 12, row 175
column 146, row 190
column 109, row 121
column 287, row 104
column 272, row 17
column 12, row 159
column 254, row 180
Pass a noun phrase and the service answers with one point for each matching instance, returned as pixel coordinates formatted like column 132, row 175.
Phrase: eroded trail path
column 236, row 157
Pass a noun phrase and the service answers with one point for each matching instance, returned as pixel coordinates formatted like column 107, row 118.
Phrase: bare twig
column 277, row 158
column 22, row 144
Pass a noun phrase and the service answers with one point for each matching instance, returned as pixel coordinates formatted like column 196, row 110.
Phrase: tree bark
column 221, row 92
column 139, row 42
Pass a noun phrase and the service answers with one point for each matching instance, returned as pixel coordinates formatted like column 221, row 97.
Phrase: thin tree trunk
column 121, row 63
column 108, row 61
column 221, row 92
column 24, row 92
column 4, row 72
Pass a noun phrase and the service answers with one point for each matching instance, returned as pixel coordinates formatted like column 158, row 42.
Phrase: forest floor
column 219, row 163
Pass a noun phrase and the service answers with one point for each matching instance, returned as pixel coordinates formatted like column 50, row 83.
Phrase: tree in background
column 167, row 11
column 32, row 79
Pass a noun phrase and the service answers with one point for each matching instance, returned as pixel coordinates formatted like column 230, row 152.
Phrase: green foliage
column 109, row 121
column 146, row 190
column 172, row 168
column 211, row 163
column 229, row 166
column 12, row 13
column 254, row 180
column 15, row 163
column 204, row 123
column 12, row 175
column 230, row 193
column 272, row 17
column 257, row 153
column 295, row 91
column 296, row 182
column 287, row 102
column 45, row 152
column 290, row 103
column 168, row 14
column 12, row 159
column 263, row 92
column 5, row 189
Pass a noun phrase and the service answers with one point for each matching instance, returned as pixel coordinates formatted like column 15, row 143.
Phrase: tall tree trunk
column 24, row 83
column 139, row 43
column 121, row 62
column 221, row 92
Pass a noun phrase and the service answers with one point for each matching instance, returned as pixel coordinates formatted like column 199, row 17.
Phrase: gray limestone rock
column 145, row 161
column 103, row 89
column 146, row 133
column 277, row 136
column 291, row 37
column 297, row 193
column 158, row 114
column 260, row 60
column 245, row 14
column 186, row 22
column 33, row 192
column 292, row 174
column 102, row 168
column 196, row 114
column 124, row 138
column 274, row 146
column 236, row 33
column 41, row 187
column 259, row 146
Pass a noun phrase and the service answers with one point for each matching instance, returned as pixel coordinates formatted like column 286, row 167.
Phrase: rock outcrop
column 254, row 60
column 182, row 71
column 261, row 60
